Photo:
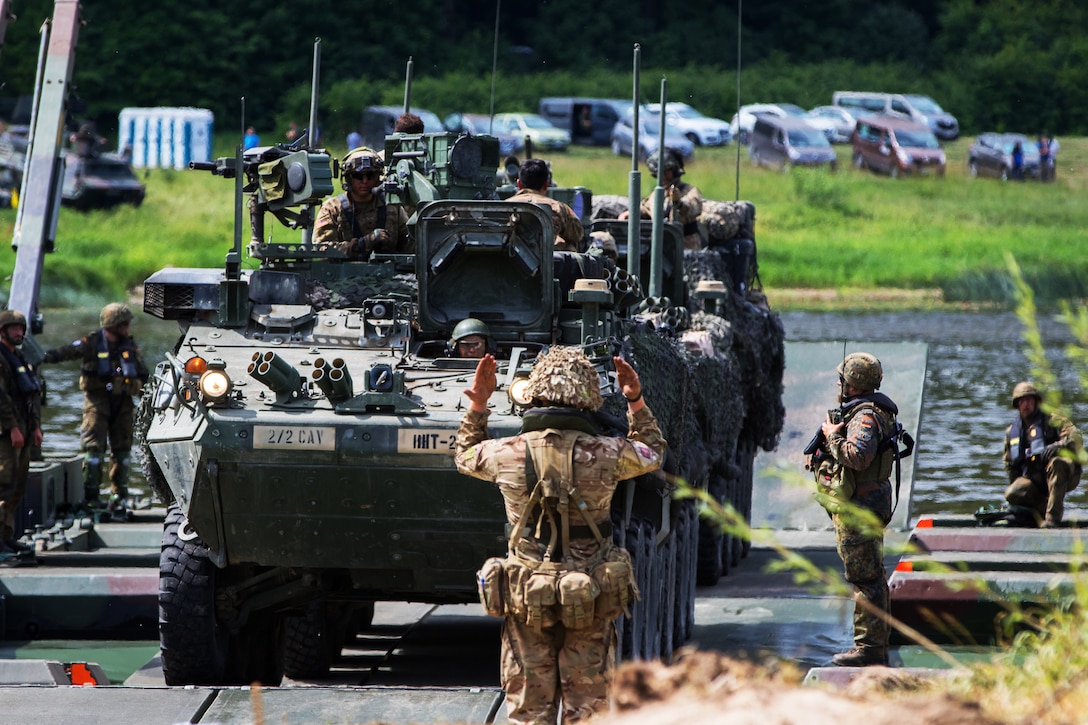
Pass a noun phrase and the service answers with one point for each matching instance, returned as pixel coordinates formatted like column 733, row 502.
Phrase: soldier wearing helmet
column 533, row 180
column 471, row 338
column 683, row 202
column 359, row 222
column 112, row 372
column 20, row 399
column 860, row 448
column 1042, row 457
column 559, row 457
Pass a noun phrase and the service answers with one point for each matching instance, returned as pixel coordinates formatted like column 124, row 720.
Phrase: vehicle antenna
column 494, row 68
column 408, row 86
column 740, row 6
column 634, row 183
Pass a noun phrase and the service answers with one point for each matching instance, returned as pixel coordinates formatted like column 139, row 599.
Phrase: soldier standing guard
column 563, row 582
column 111, row 373
column 20, row 399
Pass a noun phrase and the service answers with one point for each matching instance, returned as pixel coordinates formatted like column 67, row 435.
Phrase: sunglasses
column 368, row 175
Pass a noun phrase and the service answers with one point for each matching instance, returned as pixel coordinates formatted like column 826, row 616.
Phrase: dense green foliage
column 849, row 230
column 1003, row 64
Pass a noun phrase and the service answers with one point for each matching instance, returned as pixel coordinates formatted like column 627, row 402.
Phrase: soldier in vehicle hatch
column 533, row 178
column 563, row 582
column 20, row 398
column 111, row 373
column 856, row 469
column 1041, row 457
column 471, row 338
column 683, row 202
column 359, row 222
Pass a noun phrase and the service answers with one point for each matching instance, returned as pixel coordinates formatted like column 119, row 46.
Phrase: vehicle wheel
column 311, row 642
column 694, row 138
column 742, row 137
column 196, row 648
column 972, row 168
column 833, row 165
column 712, row 563
column 616, row 147
column 859, row 162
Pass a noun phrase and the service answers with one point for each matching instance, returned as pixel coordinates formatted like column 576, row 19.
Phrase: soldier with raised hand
column 112, row 372
column 533, row 178
column 359, row 222
column 1041, row 457
column 20, row 399
column 857, row 471
column 563, row 582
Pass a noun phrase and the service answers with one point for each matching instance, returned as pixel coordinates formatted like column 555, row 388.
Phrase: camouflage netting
column 350, row 292
column 725, row 220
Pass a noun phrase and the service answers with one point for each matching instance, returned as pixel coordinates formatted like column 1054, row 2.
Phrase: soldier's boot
column 9, row 544
column 861, row 657
column 118, row 505
column 1060, row 478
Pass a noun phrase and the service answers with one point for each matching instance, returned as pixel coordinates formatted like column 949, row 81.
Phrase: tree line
column 1000, row 65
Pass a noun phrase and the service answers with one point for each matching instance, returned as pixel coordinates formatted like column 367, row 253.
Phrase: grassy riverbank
column 849, row 236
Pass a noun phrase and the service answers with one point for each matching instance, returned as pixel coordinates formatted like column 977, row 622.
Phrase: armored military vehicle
column 302, row 431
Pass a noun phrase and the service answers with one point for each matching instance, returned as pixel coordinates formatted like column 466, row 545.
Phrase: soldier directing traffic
column 111, row 373
column 1041, row 457
column 359, row 222
column 563, row 582
column 858, row 449
column 20, row 400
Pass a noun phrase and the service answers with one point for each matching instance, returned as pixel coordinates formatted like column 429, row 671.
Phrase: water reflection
column 974, row 360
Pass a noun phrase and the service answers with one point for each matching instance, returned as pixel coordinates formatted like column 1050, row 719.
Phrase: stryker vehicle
column 302, row 431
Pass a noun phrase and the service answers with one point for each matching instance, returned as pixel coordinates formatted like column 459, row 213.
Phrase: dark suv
column 991, row 155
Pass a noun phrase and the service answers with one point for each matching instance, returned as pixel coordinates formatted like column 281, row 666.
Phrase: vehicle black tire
column 194, row 647
column 694, row 138
column 712, row 542
column 859, row 162
column 311, row 642
column 256, row 651
column 742, row 137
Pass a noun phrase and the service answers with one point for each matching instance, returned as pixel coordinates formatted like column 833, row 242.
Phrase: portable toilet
column 165, row 137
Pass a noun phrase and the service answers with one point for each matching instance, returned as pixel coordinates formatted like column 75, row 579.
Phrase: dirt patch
column 710, row 689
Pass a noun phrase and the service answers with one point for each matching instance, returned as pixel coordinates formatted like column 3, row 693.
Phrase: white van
column 909, row 106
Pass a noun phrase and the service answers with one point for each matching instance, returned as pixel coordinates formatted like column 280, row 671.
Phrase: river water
column 974, row 360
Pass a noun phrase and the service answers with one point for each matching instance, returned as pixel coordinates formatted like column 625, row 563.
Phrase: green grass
column 834, row 231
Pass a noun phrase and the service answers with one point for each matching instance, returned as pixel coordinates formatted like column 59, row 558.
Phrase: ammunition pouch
column 616, row 579
column 835, row 486
column 491, row 584
column 539, row 599
column 577, row 593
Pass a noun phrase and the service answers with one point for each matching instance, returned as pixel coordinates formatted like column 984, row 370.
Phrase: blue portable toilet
column 165, row 137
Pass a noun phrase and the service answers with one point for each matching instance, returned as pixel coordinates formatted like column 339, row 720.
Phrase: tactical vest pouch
column 616, row 580
column 834, row 488
column 540, row 599
column 491, row 582
column 577, row 593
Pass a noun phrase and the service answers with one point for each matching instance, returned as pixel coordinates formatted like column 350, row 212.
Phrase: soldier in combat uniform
column 20, row 400
column 548, row 667
column 1041, row 457
column 860, row 453
column 683, row 202
column 359, row 222
column 533, row 180
column 111, row 373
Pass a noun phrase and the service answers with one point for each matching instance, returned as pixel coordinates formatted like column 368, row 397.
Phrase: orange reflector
column 81, row 675
column 196, row 365
column 905, row 566
column 924, row 524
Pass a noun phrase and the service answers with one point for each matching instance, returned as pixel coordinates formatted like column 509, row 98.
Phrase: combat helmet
column 564, row 376
column 357, row 160
column 673, row 161
column 861, row 370
column 12, row 317
column 1023, row 390
column 470, row 326
column 114, row 314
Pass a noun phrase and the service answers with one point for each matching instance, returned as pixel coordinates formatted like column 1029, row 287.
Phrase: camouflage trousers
column 1046, row 493
column 14, row 471
column 556, row 668
column 107, row 420
column 862, row 554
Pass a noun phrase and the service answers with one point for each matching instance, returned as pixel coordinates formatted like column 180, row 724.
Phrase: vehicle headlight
column 519, row 392
column 215, row 385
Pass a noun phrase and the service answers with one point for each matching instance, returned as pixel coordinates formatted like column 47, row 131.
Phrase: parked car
column 894, row 146
column 544, row 136
column 588, row 120
column 910, row 106
column 991, row 155
column 378, row 122
column 783, row 142
column 649, row 130
column 478, row 124
column 837, row 123
column 701, row 130
column 740, row 126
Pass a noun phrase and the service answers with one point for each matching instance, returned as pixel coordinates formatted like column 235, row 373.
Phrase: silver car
column 837, row 123
column 649, row 130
